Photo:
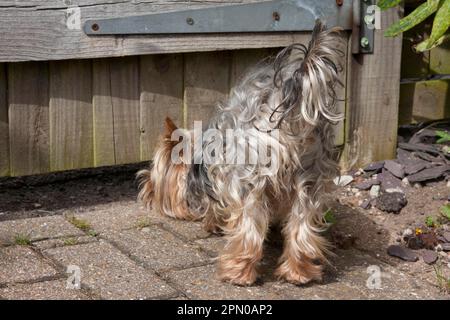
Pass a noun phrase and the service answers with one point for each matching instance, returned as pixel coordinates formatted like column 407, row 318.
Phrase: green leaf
column 414, row 18
column 441, row 23
column 429, row 221
column 386, row 4
column 423, row 46
column 329, row 217
column 445, row 210
column 444, row 136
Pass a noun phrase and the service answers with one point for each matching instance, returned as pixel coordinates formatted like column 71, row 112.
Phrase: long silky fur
column 295, row 93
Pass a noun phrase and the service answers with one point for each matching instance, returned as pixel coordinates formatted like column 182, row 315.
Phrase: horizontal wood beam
column 38, row 30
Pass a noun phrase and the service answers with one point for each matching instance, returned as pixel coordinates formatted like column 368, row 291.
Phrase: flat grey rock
column 428, row 174
column 366, row 184
column 429, row 256
column 395, row 168
column 402, row 253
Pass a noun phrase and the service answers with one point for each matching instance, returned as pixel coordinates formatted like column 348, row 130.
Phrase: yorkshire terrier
column 292, row 95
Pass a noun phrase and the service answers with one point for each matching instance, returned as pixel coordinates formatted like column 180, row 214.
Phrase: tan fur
column 295, row 94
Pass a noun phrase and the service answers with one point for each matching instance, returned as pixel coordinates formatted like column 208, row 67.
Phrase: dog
column 294, row 95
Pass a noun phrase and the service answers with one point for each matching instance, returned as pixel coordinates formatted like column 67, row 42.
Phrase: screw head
column 364, row 42
column 95, row 27
column 190, row 21
column 276, row 16
column 339, row 2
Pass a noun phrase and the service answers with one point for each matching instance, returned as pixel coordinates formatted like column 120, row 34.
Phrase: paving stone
column 118, row 218
column 317, row 291
column 18, row 264
column 361, row 271
column 202, row 283
column 188, row 229
column 212, row 245
column 109, row 273
column 38, row 228
column 158, row 248
column 47, row 290
column 53, row 243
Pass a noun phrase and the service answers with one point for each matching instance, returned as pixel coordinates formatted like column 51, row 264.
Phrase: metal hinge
column 268, row 16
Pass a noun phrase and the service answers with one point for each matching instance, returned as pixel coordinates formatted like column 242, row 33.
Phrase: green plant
column 22, row 240
column 444, row 136
column 445, row 210
column 429, row 221
column 442, row 281
column 70, row 242
column 329, row 217
column 79, row 223
column 441, row 22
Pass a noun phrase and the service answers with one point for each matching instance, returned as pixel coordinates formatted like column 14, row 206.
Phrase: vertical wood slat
column 243, row 60
column 206, row 82
column 104, row 152
column 125, row 100
column 161, row 81
column 71, row 116
column 373, row 84
column 28, row 96
column 4, row 127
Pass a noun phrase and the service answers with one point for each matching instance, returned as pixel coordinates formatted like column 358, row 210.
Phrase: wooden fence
column 81, row 105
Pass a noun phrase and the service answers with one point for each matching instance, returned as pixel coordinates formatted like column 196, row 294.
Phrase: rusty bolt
column 339, row 2
column 190, row 21
column 95, row 27
column 276, row 16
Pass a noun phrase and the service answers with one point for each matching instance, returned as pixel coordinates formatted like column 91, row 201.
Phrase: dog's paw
column 238, row 272
column 299, row 274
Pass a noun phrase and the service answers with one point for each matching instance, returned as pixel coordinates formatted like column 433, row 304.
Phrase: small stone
column 354, row 190
column 446, row 236
column 343, row 181
column 366, row 184
column 402, row 253
column 395, row 168
column 392, row 190
column 405, row 182
column 445, row 247
column 429, row 257
column 374, row 191
column 37, row 205
column 415, row 167
column 429, row 174
column 417, row 185
column 407, row 233
column 366, row 204
column 375, row 166
column 391, row 202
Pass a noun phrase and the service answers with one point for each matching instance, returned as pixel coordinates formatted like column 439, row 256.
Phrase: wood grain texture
column 124, row 73
column 104, row 150
column 37, row 30
column 440, row 59
column 71, row 116
column 373, row 84
column 206, row 83
column 28, row 96
column 161, row 81
column 4, row 126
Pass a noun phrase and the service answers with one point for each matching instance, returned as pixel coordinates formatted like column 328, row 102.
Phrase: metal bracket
column 365, row 14
column 268, row 16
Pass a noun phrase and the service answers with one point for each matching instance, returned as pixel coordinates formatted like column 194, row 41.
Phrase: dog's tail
column 307, row 76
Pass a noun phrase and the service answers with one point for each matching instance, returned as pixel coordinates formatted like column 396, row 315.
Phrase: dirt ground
column 91, row 219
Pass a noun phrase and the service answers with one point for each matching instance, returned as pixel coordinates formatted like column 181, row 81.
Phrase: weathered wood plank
column 372, row 111
column 71, row 116
column 243, row 60
column 37, row 30
column 28, row 95
column 124, row 74
column 206, row 83
column 102, row 103
column 424, row 101
column 161, row 80
column 4, row 128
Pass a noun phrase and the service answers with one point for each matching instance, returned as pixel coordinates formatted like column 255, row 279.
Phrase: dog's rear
column 295, row 94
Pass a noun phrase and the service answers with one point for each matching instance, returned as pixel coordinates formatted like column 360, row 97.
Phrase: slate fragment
column 402, row 253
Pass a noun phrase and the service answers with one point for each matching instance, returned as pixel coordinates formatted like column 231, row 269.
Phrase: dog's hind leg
column 246, row 233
